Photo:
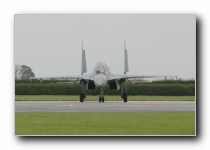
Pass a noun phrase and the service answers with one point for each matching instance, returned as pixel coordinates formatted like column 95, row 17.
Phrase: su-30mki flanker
column 102, row 76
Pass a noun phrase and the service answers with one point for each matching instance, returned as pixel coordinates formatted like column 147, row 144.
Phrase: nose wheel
column 101, row 99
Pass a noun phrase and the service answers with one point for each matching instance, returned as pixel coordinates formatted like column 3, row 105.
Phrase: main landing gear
column 124, row 95
column 83, row 93
column 82, row 97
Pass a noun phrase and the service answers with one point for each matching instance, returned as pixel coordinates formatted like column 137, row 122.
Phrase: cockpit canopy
column 101, row 68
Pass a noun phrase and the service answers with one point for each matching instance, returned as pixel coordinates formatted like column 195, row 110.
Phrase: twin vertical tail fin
column 83, row 64
column 126, row 69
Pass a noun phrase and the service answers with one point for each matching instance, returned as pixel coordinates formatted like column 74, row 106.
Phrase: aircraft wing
column 76, row 77
column 127, row 76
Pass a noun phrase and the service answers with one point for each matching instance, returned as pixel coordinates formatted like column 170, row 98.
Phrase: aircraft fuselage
column 101, row 74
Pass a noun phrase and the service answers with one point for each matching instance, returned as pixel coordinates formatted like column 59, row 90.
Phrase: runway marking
column 64, row 105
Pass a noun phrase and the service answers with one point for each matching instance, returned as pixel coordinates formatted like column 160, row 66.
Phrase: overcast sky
column 157, row 44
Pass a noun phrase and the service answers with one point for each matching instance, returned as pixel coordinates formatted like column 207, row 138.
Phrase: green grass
column 105, row 123
column 107, row 98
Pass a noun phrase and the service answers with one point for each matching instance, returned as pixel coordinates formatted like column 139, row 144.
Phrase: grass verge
column 105, row 123
column 95, row 98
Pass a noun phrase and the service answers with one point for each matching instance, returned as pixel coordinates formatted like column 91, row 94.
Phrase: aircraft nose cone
column 100, row 80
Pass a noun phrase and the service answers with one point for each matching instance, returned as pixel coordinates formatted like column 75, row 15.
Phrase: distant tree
column 17, row 72
column 23, row 72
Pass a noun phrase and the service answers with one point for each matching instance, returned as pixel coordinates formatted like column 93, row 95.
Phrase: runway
column 108, row 106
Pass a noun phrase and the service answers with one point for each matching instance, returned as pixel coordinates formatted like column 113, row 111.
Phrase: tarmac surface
column 107, row 106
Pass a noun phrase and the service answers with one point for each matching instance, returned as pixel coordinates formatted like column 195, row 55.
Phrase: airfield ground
column 95, row 98
column 105, row 123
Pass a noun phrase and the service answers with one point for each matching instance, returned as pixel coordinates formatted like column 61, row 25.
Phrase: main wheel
column 102, row 99
column 125, row 97
column 82, row 96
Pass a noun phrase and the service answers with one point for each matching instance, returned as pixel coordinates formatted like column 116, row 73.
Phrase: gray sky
column 157, row 44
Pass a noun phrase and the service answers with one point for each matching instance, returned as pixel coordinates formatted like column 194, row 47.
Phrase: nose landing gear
column 101, row 97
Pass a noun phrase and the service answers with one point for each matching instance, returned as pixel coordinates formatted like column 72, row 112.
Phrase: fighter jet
column 102, row 76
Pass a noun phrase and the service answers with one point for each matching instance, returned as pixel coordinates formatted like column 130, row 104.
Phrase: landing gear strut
column 101, row 97
column 124, row 95
column 82, row 94
column 82, row 97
